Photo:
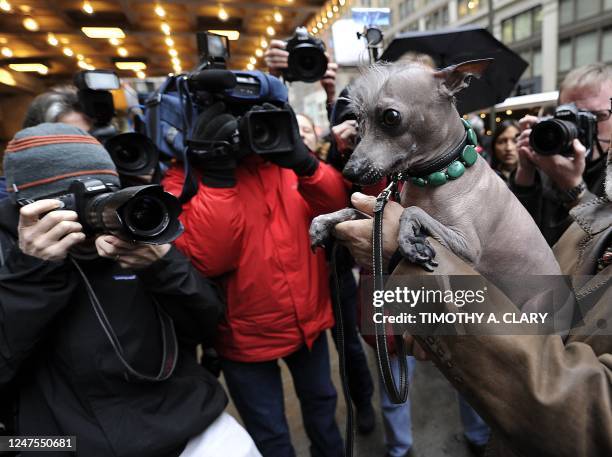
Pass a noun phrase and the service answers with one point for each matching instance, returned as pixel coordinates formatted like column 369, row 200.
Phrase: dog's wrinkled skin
column 476, row 216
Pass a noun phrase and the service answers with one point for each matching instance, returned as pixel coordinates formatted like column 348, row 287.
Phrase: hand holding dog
column 47, row 234
column 566, row 172
column 357, row 235
column 130, row 255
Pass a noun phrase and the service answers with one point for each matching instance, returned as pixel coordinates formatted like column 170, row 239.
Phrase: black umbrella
column 453, row 46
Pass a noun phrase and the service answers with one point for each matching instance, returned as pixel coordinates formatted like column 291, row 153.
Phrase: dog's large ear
column 457, row 77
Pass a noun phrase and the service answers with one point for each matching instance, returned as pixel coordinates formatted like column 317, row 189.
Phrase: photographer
column 248, row 226
column 60, row 104
column 550, row 185
column 98, row 334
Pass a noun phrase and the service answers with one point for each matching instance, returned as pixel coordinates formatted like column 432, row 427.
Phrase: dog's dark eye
column 391, row 117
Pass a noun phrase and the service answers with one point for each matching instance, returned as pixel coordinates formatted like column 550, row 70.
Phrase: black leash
column 341, row 347
column 396, row 395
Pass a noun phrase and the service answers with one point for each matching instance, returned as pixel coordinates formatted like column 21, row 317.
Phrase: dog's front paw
column 418, row 250
column 320, row 231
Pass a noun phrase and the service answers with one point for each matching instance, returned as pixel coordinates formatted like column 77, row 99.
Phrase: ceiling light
column 64, row 40
column 263, row 43
column 223, row 14
column 3, row 40
column 141, row 74
column 341, row 2
column 173, row 52
column 103, row 32
column 30, row 67
column 177, row 69
column 5, row 6
column 30, row 24
column 87, row 7
column 114, row 41
column 250, row 67
column 80, row 57
column 335, row 8
column 278, row 17
column 231, row 35
column 6, row 78
column 122, row 52
column 270, row 30
column 176, row 61
column 25, row 9
column 315, row 30
column 67, row 51
column 165, row 28
column 258, row 52
column 253, row 60
column 135, row 66
column 319, row 25
column 324, row 20
column 84, row 65
column 52, row 40
column 169, row 42
column 160, row 11
column 6, row 52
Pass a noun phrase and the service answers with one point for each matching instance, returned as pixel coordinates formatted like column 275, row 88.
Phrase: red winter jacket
column 255, row 236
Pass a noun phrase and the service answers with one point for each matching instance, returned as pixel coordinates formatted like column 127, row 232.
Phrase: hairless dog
column 408, row 124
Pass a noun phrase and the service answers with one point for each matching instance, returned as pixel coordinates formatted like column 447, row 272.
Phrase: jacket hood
column 9, row 216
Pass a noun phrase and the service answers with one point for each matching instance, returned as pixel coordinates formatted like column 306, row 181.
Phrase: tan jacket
column 541, row 395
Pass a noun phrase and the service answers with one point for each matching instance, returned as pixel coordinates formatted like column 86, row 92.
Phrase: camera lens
column 553, row 136
column 132, row 153
column 307, row 62
column 264, row 137
column 146, row 216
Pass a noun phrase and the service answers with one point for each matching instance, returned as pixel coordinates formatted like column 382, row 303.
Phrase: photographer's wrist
column 525, row 176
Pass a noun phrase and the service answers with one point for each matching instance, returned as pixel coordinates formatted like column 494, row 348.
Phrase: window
column 508, row 31
column 565, row 55
column 608, row 4
column 586, row 49
column 587, row 8
column 537, row 63
column 522, row 26
column 606, row 43
column 526, row 56
column 467, row 7
column 566, row 11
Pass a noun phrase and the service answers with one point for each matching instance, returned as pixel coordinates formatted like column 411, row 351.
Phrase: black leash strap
column 341, row 347
column 396, row 395
column 169, row 342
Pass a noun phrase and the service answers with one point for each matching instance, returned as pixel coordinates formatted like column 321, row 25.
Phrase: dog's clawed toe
column 417, row 250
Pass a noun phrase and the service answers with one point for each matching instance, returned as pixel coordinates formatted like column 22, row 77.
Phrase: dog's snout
column 351, row 172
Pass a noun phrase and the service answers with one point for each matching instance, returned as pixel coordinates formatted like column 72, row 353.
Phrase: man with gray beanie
column 98, row 335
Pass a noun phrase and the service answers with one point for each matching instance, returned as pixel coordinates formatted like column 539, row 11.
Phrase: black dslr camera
column 555, row 135
column 307, row 59
column 133, row 153
column 144, row 214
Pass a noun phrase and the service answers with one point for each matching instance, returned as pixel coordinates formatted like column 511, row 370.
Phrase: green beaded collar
column 462, row 157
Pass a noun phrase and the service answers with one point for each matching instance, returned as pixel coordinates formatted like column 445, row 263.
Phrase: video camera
column 307, row 60
column 555, row 135
column 144, row 214
column 133, row 153
column 241, row 95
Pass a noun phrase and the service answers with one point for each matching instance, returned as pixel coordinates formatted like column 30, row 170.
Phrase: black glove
column 215, row 124
column 300, row 160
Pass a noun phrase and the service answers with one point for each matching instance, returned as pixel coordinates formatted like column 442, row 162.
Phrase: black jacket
column 68, row 379
column 543, row 203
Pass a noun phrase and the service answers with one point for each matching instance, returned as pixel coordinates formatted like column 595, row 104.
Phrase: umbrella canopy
column 453, row 46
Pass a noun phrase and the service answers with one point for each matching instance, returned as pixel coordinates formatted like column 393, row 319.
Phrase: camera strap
column 396, row 395
column 169, row 341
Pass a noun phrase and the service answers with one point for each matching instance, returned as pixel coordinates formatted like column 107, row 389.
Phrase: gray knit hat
column 43, row 161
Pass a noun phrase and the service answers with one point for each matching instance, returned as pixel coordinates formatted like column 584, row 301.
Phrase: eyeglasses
column 602, row 115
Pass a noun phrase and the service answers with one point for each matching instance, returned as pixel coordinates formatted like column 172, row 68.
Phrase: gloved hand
column 215, row 124
column 300, row 160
